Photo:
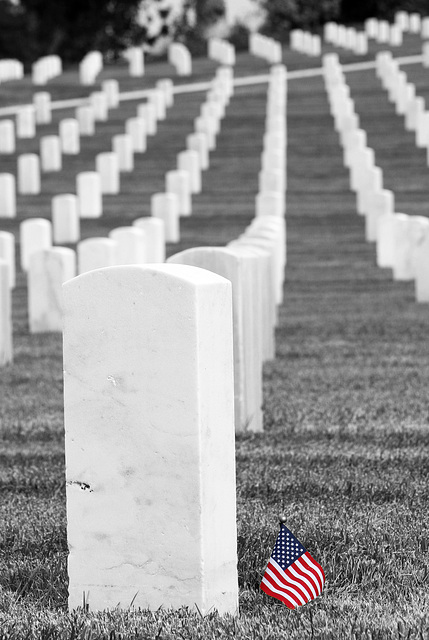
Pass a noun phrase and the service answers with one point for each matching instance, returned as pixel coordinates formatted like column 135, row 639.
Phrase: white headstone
column 385, row 241
column 107, row 166
column 88, row 188
column 190, row 161
column 47, row 271
column 270, row 203
column 29, row 174
column 422, row 130
column 421, row 266
column 157, row 98
column 7, row 254
column 96, row 253
column 7, row 195
column 180, row 57
column 402, row 247
column 6, row 350
column 135, row 57
column 26, row 122
column 147, row 111
column 7, row 136
column 69, row 135
column 136, row 128
column 130, row 245
column 199, row 142
column 247, row 337
column 179, row 183
column 383, row 202
column 164, row 468
column 122, row 145
column 110, row 88
column 165, row 206
column 98, row 101
column 166, row 85
column 42, row 105
column 86, row 119
column 35, row 234
column 65, row 218
column 154, row 233
column 50, row 153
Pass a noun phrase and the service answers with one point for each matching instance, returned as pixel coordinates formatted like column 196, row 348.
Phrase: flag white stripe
column 290, row 580
column 304, row 579
column 313, row 579
column 313, row 567
column 277, row 581
column 282, row 593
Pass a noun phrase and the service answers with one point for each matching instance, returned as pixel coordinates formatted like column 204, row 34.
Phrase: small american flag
column 292, row 575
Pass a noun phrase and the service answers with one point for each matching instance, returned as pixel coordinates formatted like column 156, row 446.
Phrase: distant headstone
column 50, row 153
column 149, row 500
column 29, row 174
column 107, row 166
column 7, row 136
column 7, row 195
column 154, row 233
column 110, row 88
column 26, row 122
column 199, row 142
column 190, row 161
column 6, row 350
column 136, row 129
column 69, row 135
column 122, row 145
column 86, row 118
column 88, row 187
column 65, row 218
column 7, row 254
column 179, row 183
column 35, row 234
column 42, row 105
column 96, row 253
column 165, row 206
column 47, row 271
column 130, row 245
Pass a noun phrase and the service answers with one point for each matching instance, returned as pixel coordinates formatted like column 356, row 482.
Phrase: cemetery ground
column 344, row 453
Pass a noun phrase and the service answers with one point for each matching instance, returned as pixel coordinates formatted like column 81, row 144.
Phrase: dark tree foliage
column 352, row 11
column 68, row 28
column 284, row 15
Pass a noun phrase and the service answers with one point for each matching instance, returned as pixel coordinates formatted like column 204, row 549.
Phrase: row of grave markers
column 170, row 350
column 402, row 241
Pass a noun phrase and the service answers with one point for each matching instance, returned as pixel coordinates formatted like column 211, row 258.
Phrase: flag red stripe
column 288, row 580
column 300, row 575
column 315, row 568
column 310, row 576
column 278, row 583
column 271, row 591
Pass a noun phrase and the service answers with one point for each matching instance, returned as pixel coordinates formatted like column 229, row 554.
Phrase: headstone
column 98, row 101
column 50, row 154
column 199, row 142
column 6, row 349
column 272, row 180
column 402, row 247
column 383, row 203
column 88, row 188
column 415, row 23
column 207, row 125
column 69, row 135
column 7, row 136
column 164, row 468
column 35, row 234
column 48, row 270
column 421, row 266
column 417, row 229
column 165, row 206
column 7, row 254
column 42, row 106
column 167, row 87
column 86, row 119
column 7, row 195
column 385, row 241
column 179, row 183
column 89, row 67
column 110, row 88
column 26, row 122
column 136, row 128
column 154, row 233
column 190, row 161
column 147, row 111
column 96, row 253
column 180, row 57
column 107, row 166
column 29, row 174
column 135, row 58
column 413, row 113
column 122, row 145
column 130, row 245
column 422, row 130
column 270, row 203
column 247, row 336
column 157, row 98
column 65, row 218
column 371, row 182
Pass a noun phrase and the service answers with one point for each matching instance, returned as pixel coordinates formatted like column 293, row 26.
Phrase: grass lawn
column 344, row 454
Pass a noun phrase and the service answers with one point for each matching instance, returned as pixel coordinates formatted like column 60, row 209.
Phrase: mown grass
column 345, row 447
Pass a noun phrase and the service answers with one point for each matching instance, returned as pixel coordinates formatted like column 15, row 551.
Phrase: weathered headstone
column 96, row 253
column 48, row 269
column 149, row 500
column 88, row 188
column 7, row 195
column 65, row 218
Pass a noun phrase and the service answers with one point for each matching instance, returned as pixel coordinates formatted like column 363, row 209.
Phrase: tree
column 284, row 15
